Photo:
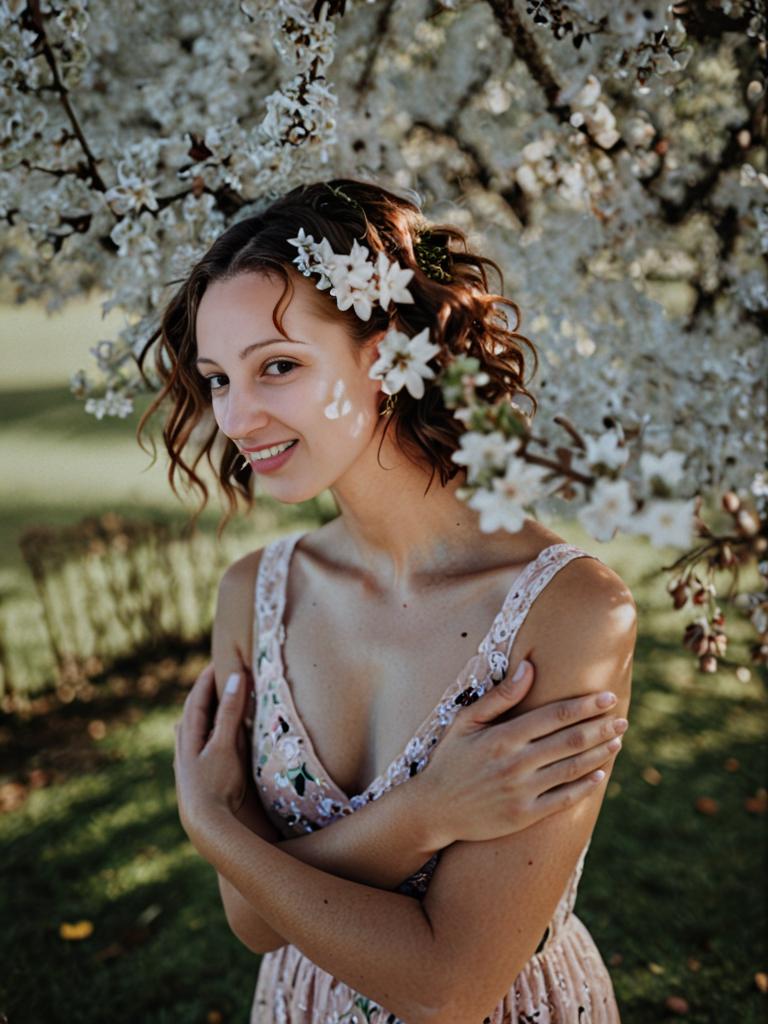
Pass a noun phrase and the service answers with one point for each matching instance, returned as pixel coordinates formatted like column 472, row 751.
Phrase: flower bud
column 731, row 502
column 746, row 523
column 726, row 556
column 718, row 644
column 695, row 639
column 680, row 596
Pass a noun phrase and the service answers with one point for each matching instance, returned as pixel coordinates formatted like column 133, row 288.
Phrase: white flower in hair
column 392, row 281
column 501, row 506
column 354, row 279
column 403, row 361
column 313, row 256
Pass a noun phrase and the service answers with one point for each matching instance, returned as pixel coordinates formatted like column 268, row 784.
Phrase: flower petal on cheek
column 340, row 406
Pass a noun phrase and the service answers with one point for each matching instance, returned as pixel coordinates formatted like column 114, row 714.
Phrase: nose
column 239, row 414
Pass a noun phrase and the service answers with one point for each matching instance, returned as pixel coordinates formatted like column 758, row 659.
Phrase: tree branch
column 35, row 19
column 382, row 28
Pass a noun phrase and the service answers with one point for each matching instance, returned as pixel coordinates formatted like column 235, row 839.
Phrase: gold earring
column 389, row 406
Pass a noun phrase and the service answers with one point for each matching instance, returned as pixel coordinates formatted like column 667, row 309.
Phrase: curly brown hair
column 464, row 318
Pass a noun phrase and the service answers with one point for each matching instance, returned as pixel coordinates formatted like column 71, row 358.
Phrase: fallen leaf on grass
column 655, row 968
column 706, row 805
column 97, row 729
column 694, row 964
column 651, row 775
column 615, row 959
column 731, row 764
column 214, row 1017
column 761, row 981
column 75, row 931
column 676, row 1004
column 37, row 778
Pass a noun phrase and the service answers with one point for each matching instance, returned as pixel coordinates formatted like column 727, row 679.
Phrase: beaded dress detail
column 564, row 982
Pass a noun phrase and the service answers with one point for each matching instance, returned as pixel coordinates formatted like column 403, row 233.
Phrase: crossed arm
column 440, row 960
column 380, row 845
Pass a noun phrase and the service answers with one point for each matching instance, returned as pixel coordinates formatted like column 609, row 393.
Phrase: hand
column 486, row 779
column 210, row 762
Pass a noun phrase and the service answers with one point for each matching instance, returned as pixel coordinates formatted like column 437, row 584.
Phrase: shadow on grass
column 55, row 408
column 160, row 951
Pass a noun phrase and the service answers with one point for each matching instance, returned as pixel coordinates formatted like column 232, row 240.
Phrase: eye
column 212, row 378
column 280, row 362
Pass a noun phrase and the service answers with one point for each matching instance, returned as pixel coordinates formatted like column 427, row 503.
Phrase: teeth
column 269, row 453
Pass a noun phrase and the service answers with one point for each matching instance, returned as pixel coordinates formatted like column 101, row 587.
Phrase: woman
column 448, row 899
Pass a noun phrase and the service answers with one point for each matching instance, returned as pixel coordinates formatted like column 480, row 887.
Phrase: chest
column 365, row 673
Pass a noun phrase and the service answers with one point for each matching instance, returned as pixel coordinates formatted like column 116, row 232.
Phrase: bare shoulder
column 583, row 623
column 234, row 624
column 589, row 589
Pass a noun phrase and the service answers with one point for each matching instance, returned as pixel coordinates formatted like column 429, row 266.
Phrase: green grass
column 104, row 844
column 674, row 898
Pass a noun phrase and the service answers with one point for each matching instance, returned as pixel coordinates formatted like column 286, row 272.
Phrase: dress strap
column 534, row 578
column 269, row 602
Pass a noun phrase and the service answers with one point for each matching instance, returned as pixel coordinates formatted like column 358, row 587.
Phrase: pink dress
column 564, row 982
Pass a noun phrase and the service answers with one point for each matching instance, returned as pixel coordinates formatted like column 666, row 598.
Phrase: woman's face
column 266, row 390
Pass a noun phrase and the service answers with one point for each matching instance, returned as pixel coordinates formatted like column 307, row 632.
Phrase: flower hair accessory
column 403, row 361
column 355, row 280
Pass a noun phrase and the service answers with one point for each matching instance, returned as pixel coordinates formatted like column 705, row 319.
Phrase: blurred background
column 105, row 609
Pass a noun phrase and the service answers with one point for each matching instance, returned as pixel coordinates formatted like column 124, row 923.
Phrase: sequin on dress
column 564, row 982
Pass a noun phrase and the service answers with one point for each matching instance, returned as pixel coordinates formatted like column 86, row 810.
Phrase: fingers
column 560, row 713
column 196, row 720
column 229, row 717
column 576, row 739
column 565, row 796
column 506, row 694
column 576, row 767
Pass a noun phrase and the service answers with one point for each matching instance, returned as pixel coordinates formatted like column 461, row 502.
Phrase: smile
column 269, row 453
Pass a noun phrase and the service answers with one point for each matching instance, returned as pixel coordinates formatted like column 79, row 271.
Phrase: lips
column 264, row 462
column 263, row 447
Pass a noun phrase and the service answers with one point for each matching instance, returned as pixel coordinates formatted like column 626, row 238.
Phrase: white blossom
column 482, row 452
column 403, row 362
column 609, row 509
column 608, row 450
column 667, row 523
column 501, row 506
column 667, row 467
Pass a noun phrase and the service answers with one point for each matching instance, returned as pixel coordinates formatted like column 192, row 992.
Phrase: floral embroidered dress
column 564, row 982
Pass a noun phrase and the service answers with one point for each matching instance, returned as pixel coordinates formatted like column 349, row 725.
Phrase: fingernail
column 520, row 672
column 606, row 699
column 232, row 682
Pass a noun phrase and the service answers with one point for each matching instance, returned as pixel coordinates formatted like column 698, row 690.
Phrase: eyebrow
column 257, row 344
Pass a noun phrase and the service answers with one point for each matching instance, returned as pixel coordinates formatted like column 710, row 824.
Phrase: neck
column 399, row 533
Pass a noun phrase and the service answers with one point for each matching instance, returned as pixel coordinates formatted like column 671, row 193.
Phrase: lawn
column 673, row 887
